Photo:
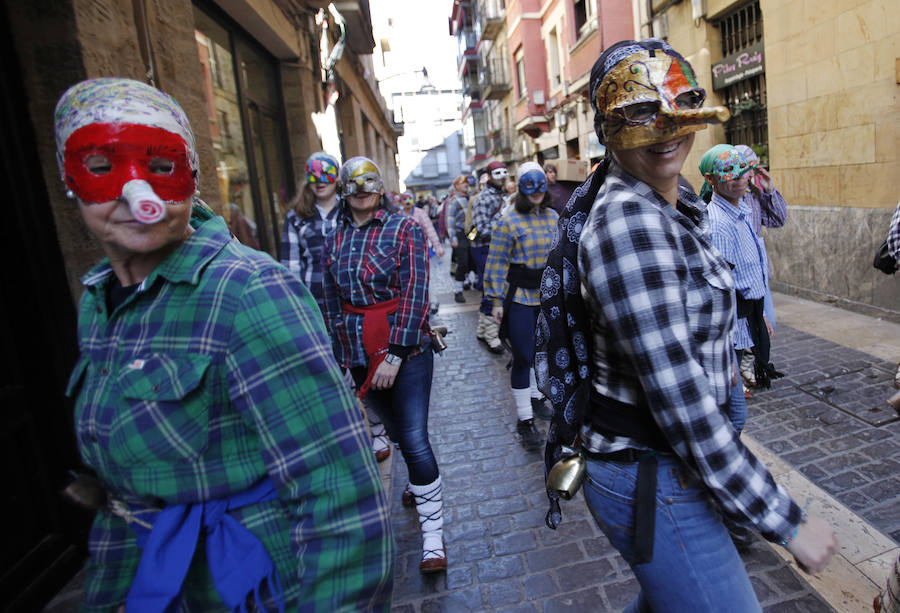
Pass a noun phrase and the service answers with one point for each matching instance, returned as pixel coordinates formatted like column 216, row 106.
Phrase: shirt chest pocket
column 711, row 285
column 379, row 264
column 162, row 414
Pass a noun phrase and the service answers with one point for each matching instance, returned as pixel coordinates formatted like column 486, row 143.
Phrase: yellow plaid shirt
column 519, row 238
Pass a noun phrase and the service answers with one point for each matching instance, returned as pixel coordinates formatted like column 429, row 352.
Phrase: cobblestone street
column 827, row 419
column 502, row 557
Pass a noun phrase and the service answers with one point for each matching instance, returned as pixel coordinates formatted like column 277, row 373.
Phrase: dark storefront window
column 746, row 99
column 244, row 108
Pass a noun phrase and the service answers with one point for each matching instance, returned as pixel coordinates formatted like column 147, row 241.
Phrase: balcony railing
column 471, row 84
column 491, row 14
column 466, row 40
column 478, row 148
column 495, row 80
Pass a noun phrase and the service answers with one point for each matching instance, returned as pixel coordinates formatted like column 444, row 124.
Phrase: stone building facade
column 823, row 112
column 250, row 74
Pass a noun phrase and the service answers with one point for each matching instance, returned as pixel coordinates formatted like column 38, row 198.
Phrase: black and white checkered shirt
column 661, row 305
column 893, row 238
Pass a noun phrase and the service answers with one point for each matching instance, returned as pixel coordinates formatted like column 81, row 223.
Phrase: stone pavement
column 824, row 430
column 828, row 418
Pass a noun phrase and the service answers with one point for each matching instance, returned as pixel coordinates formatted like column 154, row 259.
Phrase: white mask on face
column 499, row 174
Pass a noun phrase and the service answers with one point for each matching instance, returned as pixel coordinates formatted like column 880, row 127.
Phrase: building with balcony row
column 812, row 88
column 525, row 66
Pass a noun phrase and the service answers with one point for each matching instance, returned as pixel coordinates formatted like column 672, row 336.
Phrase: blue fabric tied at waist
column 238, row 560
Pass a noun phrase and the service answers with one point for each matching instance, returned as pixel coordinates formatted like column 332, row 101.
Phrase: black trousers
column 461, row 255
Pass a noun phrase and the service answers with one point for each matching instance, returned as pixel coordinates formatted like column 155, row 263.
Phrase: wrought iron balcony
column 492, row 15
column 495, row 80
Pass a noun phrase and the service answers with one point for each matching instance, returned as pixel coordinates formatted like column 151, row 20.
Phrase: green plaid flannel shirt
column 216, row 373
column 519, row 238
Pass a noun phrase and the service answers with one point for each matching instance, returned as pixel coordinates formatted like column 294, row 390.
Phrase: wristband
column 787, row 541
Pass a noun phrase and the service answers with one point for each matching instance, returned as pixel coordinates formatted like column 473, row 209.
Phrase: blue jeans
column 522, row 320
column 403, row 409
column 737, row 404
column 480, row 255
column 695, row 567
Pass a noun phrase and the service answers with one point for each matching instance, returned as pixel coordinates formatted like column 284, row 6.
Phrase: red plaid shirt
column 385, row 258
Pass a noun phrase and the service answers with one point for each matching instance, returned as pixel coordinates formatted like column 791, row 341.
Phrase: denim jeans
column 737, row 404
column 403, row 409
column 479, row 256
column 522, row 320
column 695, row 567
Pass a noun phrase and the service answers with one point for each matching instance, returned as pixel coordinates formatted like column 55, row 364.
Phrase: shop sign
column 736, row 67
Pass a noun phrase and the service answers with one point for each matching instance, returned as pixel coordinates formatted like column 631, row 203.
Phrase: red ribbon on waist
column 376, row 332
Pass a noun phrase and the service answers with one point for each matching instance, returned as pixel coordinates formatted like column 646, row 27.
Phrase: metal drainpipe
column 338, row 50
column 139, row 9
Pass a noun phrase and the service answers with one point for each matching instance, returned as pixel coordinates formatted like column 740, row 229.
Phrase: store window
column 244, row 107
column 742, row 30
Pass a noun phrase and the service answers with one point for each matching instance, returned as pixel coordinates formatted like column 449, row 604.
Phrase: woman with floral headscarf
column 232, row 466
column 376, row 307
column 636, row 357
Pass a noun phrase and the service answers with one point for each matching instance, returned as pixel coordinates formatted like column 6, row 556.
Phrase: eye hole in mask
column 690, row 100
column 646, row 112
column 98, row 164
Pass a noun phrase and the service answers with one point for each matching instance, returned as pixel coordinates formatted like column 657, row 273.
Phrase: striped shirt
column 302, row 241
column 519, row 238
column 383, row 259
column 741, row 247
column 214, row 374
column 661, row 304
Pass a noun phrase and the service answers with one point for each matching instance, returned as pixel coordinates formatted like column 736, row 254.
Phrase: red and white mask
column 118, row 138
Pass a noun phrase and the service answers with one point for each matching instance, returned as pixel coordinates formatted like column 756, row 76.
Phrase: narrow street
column 820, row 430
column 503, row 558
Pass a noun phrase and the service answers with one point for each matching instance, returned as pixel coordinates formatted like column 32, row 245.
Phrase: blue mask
column 533, row 181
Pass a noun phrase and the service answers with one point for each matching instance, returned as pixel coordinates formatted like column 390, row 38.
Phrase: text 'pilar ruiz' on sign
column 738, row 66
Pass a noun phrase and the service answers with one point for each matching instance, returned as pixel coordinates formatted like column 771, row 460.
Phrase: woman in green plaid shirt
column 236, row 468
column 520, row 242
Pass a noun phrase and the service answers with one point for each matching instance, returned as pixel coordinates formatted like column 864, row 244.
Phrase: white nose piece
column 146, row 206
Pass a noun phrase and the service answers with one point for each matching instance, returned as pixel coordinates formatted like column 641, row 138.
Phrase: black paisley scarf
column 562, row 341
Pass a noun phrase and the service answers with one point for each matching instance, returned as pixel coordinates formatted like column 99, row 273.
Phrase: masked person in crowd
column 768, row 208
column 232, row 466
column 519, row 247
column 560, row 191
column 726, row 173
column 376, row 306
column 640, row 369
column 407, row 205
column 485, row 209
column 310, row 217
column 455, row 212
